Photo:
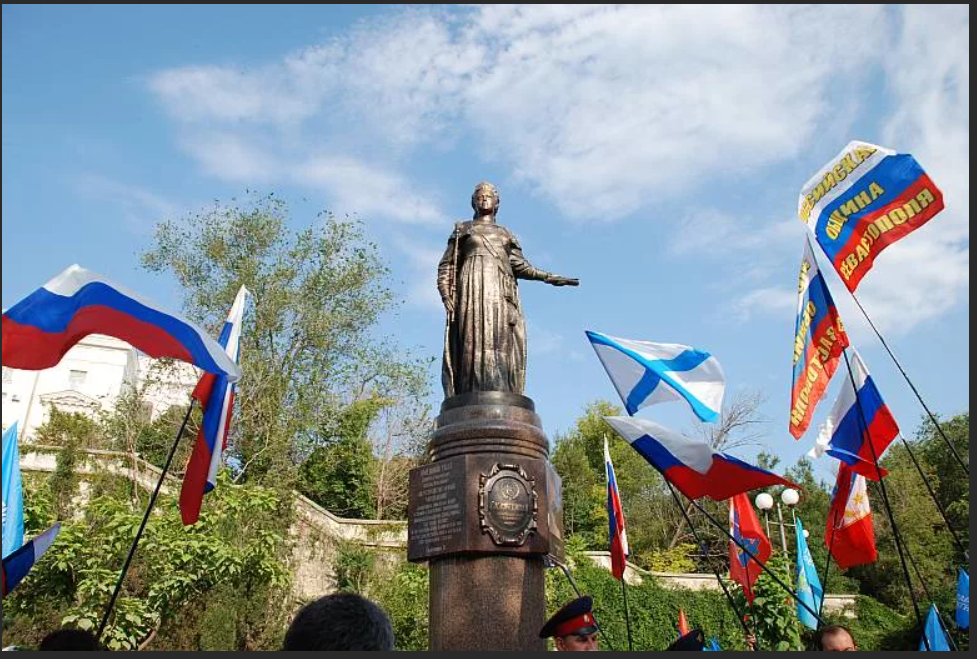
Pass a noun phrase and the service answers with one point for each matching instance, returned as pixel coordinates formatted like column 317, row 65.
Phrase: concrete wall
column 317, row 534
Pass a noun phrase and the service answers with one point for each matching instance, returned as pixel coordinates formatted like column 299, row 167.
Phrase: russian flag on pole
column 819, row 339
column 646, row 373
column 745, row 527
column 18, row 564
column 849, row 533
column 216, row 396
column 866, row 198
column 41, row 328
column 615, row 516
column 859, row 416
column 691, row 465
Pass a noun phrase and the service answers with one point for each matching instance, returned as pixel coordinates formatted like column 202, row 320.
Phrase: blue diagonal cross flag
column 646, row 373
column 933, row 632
column 963, row 600
column 13, row 494
column 809, row 588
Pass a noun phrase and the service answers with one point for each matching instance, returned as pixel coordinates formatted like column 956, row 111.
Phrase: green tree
column 308, row 347
column 234, row 546
column 339, row 475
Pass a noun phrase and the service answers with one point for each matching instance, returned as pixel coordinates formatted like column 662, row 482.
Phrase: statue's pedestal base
column 483, row 513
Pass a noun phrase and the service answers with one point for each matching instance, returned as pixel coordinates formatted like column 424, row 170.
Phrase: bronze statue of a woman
column 485, row 332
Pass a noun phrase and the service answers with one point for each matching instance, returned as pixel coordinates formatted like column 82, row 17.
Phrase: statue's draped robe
column 485, row 342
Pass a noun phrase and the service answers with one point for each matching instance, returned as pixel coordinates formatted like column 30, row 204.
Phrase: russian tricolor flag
column 615, row 516
column 866, row 198
column 19, row 563
column 41, row 328
column 690, row 465
column 819, row 340
column 859, row 416
column 216, row 396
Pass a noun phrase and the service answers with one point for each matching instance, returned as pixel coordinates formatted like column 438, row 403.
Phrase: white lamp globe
column 806, row 533
column 790, row 497
column 764, row 501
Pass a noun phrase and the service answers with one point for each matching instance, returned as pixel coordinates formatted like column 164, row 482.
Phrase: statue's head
column 485, row 198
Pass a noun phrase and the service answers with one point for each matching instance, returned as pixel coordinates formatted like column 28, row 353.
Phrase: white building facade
column 89, row 379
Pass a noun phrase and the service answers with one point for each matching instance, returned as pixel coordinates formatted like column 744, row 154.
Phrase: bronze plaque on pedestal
column 508, row 505
column 481, row 504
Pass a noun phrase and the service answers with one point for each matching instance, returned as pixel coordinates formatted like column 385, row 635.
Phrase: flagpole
column 932, row 417
column 573, row 584
column 885, row 498
column 926, row 590
column 702, row 546
column 939, row 506
column 145, row 520
column 827, row 565
column 725, row 530
column 627, row 613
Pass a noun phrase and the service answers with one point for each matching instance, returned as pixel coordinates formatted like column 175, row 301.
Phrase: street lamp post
column 790, row 497
column 765, row 502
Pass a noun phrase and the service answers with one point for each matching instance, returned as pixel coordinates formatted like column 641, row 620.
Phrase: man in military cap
column 573, row 627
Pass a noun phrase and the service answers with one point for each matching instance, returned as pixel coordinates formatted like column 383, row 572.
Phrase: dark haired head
column 69, row 639
column 340, row 622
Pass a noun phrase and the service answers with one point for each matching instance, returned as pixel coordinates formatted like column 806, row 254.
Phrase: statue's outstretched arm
column 523, row 269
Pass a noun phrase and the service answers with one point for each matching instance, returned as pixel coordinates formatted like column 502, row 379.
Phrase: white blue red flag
column 866, row 198
column 849, row 531
column 745, row 528
column 615, row 516
column 858, row 417
column 18, row 564
column 216, row 396
column 41, row 328
column 646, row 373
column 819, row 339
column 691, row 465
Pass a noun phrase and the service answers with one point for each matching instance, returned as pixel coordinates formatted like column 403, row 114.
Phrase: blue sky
column 654, row 152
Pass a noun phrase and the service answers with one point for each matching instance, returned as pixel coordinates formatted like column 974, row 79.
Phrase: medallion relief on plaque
column 507, row 504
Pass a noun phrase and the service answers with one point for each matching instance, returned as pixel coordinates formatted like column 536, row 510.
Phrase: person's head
column 343, row 621
column 577, row 642
column 573, row 627
column 69, row 639
column 835, row 638
column 485, row 200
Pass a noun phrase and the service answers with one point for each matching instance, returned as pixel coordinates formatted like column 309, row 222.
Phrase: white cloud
column 367, row 190
column 138, row 207
column 423, row 261
column 605, row 110
column 599, row 109
column 543, row 341
column 928, row 273
column 770, row 300
column 232, row 157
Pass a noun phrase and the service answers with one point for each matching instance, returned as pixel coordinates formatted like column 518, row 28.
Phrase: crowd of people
column 346, row 621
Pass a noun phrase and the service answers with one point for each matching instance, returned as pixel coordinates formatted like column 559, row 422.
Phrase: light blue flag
column 934, row 633
column 963, row 601
column 809, row 588
column 713, row 646
column 13, row 494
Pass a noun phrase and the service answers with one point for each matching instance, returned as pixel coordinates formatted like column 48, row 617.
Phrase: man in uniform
column 573, row 627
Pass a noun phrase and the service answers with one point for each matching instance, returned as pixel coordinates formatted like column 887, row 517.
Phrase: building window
column 76, row 379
